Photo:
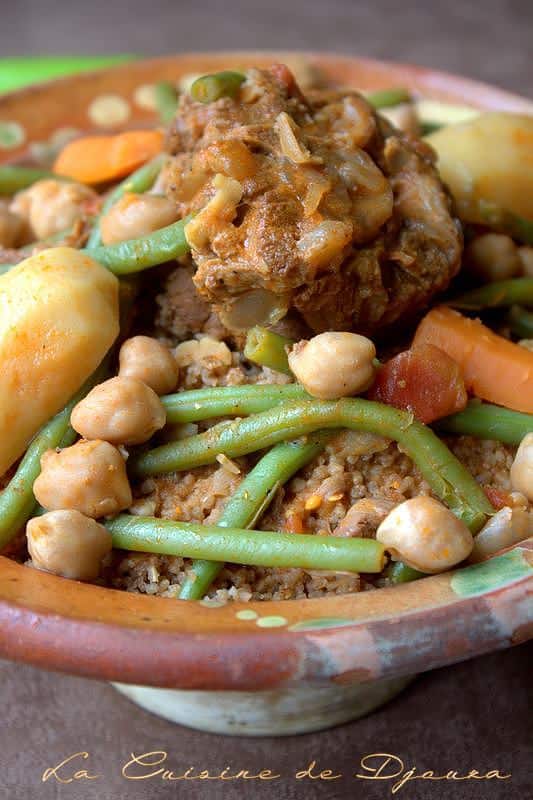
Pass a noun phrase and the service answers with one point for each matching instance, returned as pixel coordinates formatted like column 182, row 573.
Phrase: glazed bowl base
column 278, row 712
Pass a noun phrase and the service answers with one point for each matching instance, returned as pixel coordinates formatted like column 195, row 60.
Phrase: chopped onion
column 507, row 527
column 404, row 117
column 199, row 351
column 359, row 170
column 324, row 242
column 316, row 188
column 290, row 146
column 256, row 307
column 221, row 207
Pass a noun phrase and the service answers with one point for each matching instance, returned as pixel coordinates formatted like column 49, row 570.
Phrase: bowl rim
column 114, row 635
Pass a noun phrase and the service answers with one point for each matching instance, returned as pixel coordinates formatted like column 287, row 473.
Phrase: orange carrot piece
column 493, row 368
column 97, row 159
column 294, row 523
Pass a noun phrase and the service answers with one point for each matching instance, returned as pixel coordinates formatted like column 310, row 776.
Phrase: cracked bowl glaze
column 271, row 648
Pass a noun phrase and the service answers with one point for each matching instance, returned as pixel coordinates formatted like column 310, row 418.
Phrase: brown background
column 474, row 715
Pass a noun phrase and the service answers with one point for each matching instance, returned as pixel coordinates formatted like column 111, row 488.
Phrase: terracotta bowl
column 276, row 667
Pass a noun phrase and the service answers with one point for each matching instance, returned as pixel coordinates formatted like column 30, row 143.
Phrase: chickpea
column 120, row 410
column 334, row 364
column 525, row 254
column 50, row 206
column 522, row 468
column 148, row 360
column 89, row 477
column 493, row 257
column 12, row 227
column 135, row 215
column 69, row 544
column 425, row 535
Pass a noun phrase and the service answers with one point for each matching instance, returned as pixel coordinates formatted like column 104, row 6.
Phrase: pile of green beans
column 16, row 500
column 268, row 349
column 138, row 182
column 228, row 401
column 486, row 421
column 209, row 88
column 450, row 481
column 252, row 498
column 497, row 295
column 255, row 548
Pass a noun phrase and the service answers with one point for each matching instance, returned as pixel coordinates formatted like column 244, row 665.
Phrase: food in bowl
column 292, row 396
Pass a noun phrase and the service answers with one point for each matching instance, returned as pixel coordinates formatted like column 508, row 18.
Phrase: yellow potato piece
column 58, row 318
column 489, row 158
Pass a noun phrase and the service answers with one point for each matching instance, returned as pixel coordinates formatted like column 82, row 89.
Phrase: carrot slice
column 294, row 523
column 424, row 380
column 493, row 368
column 97, row 159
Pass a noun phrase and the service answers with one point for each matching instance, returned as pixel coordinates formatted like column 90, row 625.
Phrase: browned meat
column 309, row 203
column 182, row 311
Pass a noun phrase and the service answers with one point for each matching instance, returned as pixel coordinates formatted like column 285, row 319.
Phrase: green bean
column 228, row 401
column 209, row 88
column 450, row 481
column 14, row 178
column 496, row 295
column 398, row 572
column 125, row 258
column 166, row 101
column 138, row 182
column 427, row 127
column 386, row 98
column 255, row 548
column 16, row 500
column 268, row 349
column 507, row 222
column 251, row 499
column 486, row 421
column 520, row 322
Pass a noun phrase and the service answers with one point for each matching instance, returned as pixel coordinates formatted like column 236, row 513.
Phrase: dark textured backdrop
column 487, row 39
column 475, row 715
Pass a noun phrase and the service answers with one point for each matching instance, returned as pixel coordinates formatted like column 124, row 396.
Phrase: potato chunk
column 58, row 318
column 488, row 159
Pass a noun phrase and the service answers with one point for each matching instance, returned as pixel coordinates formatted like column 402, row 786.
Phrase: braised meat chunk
column 313, row 205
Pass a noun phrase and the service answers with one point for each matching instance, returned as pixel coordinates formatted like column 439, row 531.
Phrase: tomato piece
column 285, row 77
column 424, row 380
column 498, row 497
